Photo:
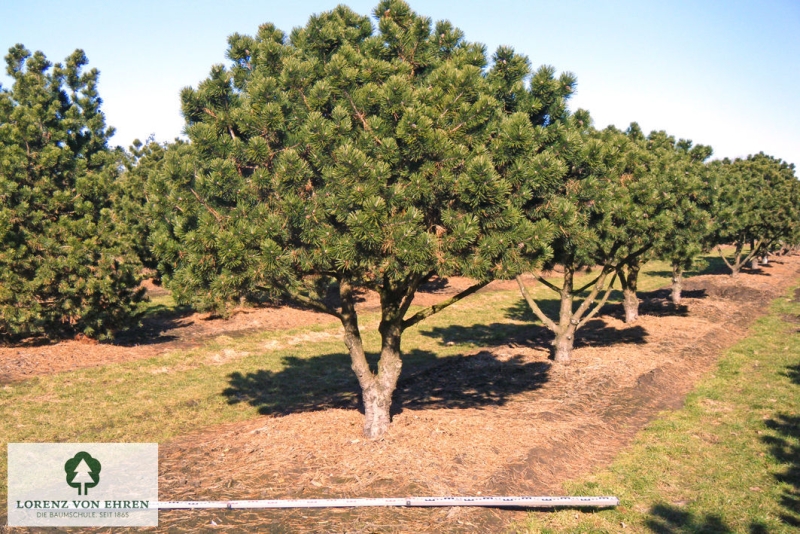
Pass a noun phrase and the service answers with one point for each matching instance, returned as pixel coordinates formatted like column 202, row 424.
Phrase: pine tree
column 339, row 159
column 758, row 206
column 676, row 190
column 694, row 186
column 65, row 263
column 611, row 202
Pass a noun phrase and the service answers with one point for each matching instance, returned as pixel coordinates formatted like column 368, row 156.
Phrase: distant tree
column 66, row 266
column 608, row 202
column 677, row 191
column 694, row 187
column 343, row 159
column 758, row 206
column 130, row 199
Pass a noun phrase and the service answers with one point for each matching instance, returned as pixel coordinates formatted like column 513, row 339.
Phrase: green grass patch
column 727, row 462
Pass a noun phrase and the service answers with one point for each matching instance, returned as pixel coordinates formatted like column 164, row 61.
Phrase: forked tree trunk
column 376, row 388
column 737, row 260
column 378, row 394
column 630, row 281
column 677, row 283
column 569, row 321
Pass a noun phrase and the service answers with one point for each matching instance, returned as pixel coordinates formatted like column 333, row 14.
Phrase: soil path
column 502, row 420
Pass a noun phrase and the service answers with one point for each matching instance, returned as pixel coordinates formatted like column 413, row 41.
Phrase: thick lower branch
column 549, row 323
column 436, row 308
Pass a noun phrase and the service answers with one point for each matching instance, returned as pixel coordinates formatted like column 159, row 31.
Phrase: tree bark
column 563, row 344
column 677, row 283
column 630, row 302
column 378, row 395
column 565, row 331
column 753, row 259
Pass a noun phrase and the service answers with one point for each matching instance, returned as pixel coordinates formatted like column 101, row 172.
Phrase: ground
column 500, row 418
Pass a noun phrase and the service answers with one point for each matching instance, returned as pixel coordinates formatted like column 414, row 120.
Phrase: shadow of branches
column 310, row 384
column 595, row 333
column 784, row 446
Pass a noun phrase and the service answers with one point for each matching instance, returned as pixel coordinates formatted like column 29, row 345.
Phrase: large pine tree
column 341, row 158
column 65, row 263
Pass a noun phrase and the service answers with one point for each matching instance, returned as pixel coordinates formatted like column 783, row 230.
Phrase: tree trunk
column 677, row 283
column 630, row 301
column 378, row 395
column 562, row 345
column 565, row 332
column 754, row 259
column 376, row 388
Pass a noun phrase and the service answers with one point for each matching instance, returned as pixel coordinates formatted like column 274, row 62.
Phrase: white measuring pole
column 511, row 502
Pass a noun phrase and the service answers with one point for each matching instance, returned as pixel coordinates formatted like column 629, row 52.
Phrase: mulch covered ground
column 503, row 420
column 499, row 421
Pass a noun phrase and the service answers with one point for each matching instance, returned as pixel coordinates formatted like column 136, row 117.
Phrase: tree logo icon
column 82, row 470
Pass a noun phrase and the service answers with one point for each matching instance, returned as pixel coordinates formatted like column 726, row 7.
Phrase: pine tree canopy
column 65, row 263
column 345, row 157
column 759, row 204
column 384, row 155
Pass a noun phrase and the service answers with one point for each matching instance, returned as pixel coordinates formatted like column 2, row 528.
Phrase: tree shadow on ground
column 667, row 519
column 785, row 448
column 594, row 333
column 160, row 319
column 659, row 303
column 323, row 382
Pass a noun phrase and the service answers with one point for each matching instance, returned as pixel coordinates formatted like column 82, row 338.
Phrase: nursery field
column 265, row 405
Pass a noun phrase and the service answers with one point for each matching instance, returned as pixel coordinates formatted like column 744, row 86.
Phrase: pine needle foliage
column 759, row 206
column 66, row 266
column 347, row 156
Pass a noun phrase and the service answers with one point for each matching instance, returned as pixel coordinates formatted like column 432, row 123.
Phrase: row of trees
column 347, row 157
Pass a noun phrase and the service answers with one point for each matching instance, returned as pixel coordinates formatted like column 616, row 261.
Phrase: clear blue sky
column 720, row 72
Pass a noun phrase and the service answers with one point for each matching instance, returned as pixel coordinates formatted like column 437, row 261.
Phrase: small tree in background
column 130, row 199
column 758, row 206
column 66, row 266
column 584, row 182
column 343, row 159
column 677, row 217
column 695, row 190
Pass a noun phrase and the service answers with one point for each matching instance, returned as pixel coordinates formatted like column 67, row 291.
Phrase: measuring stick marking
column 516, row 502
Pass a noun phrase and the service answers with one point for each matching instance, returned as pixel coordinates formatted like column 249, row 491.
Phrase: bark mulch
column 502, row 420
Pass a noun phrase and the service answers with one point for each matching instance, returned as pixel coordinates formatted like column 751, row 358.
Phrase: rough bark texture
column 565, row 332
column 677, row 283
column 378, row 395
column 629, row 299
column 562, row 345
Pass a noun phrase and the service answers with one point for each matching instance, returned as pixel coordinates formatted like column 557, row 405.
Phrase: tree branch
column 576, row 317
column 599, row 304
column 548, row 284
column 590, row 284
column 721, row 255
column 211, row 210
column 436, row 308
column 549, row 323
column 311, row 303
